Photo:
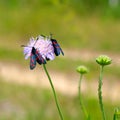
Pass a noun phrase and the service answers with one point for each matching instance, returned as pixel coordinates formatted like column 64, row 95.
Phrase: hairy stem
column 56, row 101
column 100, row 93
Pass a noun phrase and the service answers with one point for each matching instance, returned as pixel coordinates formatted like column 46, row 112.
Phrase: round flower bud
column 103, row 60
column 82, row 69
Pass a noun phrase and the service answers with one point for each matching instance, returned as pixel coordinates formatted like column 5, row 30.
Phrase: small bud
column 117, row 114
column 82, row 69
column 103, row 60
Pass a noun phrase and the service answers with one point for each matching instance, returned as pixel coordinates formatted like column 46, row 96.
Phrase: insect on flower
column 41, row 50
column 34, row 55
column 57, row 48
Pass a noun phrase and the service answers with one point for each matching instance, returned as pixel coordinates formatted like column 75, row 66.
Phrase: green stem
column 114, row 117
column 80, row 98
column 100, row 92
column 56, row 101
column 116, row 114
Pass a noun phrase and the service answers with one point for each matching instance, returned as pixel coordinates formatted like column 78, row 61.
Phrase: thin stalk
column 56, row 101
column 116, row 114
column 100, row 92
column 114, row 117
column 80, row 98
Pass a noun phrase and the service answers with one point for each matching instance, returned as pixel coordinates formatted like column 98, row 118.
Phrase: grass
column 29, row 103
column 7, row 53
column 79, row 33
column 63, row 64
column 20, row 20
column 75, row 26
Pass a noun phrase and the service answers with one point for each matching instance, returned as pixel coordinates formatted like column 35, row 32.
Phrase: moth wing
column 39, row 58
column 32, row 60
column 57, row 48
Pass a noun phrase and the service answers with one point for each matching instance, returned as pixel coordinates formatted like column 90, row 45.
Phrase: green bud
column 103, row 60
column 117, row 114
column 82, row 69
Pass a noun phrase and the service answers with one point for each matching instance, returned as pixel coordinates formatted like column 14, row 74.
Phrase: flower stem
column 56, row 101
column 80, row 98
column 116, row 114
column 100, row 92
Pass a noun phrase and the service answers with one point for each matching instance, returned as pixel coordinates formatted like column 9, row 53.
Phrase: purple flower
column 28, row 48
column 45, row 47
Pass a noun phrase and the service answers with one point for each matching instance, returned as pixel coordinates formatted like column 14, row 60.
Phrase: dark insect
column 36, row 56
column 57, row 48
column 32, row 59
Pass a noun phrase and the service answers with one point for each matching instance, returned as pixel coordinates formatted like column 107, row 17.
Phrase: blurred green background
column 90, row 27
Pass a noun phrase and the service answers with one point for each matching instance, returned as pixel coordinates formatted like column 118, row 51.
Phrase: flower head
column 45, row 47
column 82, row 69
column 103, row 60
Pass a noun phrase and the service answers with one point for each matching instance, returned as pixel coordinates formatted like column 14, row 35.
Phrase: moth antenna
column 51, row 35
column 42, row 35
column 37, row 38
column 23, row 46
column 36, row 41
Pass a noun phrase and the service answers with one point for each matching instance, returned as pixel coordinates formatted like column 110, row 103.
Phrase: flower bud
column 103, row 60
column 82, row 69
column 117, row 113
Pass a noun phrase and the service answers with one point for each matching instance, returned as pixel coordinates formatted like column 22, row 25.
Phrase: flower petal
column 50, row 56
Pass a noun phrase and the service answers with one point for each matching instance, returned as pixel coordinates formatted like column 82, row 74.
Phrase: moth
column 35, row 57
column 57, row 48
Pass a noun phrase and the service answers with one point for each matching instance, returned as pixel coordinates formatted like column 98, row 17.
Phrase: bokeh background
column 85, row 29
